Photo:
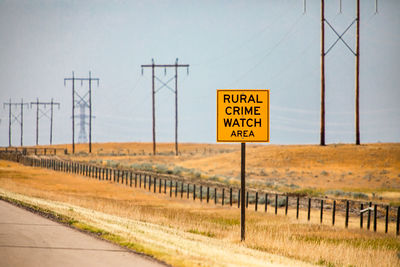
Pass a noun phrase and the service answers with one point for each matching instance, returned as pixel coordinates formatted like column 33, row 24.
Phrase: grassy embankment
column 187, row 233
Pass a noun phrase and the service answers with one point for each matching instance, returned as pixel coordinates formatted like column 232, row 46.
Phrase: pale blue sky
column 229, row 44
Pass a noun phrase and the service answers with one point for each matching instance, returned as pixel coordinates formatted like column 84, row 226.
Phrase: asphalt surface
column 27, row 239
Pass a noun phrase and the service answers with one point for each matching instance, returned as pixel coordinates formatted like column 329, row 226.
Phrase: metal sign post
column 243, row 116
column 243, row 192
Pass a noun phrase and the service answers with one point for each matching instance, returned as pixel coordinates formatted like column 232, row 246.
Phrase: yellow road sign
column 242, row 115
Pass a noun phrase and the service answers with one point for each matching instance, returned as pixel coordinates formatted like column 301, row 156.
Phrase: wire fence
column 368, row 213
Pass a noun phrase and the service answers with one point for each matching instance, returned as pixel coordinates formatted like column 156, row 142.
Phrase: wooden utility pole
column 51, row 119
column 73, row 109
column 175, row 91
column 9, row 124
column 19, row 118
column 90, row 79
column 176, row 107
column 90, row 112
column 322, row 136
column 22, row 122
column 37, row 121
column 355, row 52
column 153, row 106
column 357, row 104
column 44, row 104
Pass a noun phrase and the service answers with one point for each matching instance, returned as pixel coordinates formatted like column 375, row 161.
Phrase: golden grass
column 373, row 169
column 187, row 233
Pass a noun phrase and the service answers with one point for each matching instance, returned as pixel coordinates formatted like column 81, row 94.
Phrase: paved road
column 27, row 239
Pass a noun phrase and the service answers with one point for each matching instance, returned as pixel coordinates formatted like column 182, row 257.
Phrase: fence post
column 149, row 183
column 309, row 209
column 369, row 216
column 130, row 179
column 144, row 181
column 347, row 214
column 165, row 186
column 223, row 196
column 154, row 185
column 181, row 190
column 333, row 212
column 188, row 190
column 170, row 188
column 208, row 193
column 176, row 188
column 159, row 186
column 322, row 211
column 266, row 202
column 140, row 180
column 398, row 221
column 230, row 196
column 256, row 205
column 276, row 203
column 375, row 216
column 247, row 199
column 135, row 180
column 286, row 204
column 194, row 191
column 215, row 196
column 387, row 219
column 361, row 216
column 297, row 207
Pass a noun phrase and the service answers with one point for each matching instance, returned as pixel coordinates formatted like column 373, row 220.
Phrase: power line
column 270, row 51
column 242, row 44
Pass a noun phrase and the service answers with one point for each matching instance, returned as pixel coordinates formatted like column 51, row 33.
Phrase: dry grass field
column 186, row 233
column 341, row 170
